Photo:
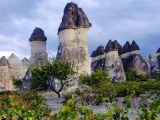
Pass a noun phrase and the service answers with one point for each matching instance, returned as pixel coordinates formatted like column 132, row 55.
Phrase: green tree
column 46, row 74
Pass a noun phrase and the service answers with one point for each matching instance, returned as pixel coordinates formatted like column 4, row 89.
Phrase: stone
column 73, row 18
column 72, row 34
column 109, row 46
column 26, row 82
column 158, row 51
column 38, row 47
column 135, row 61
column 134, row 46
column 110, row 62
column 98, row 51
column 4, row 61
column 112, row 46
column 38, row 35
column 126, row 48
column 93, row 54
column 14, row 61
column 25, row 62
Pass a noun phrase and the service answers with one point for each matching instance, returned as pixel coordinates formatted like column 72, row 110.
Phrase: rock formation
column 99, row 51
column 72, row 34
column 132, row 59
column 38, row 55
column 25, row 62
column 38, row 46
column 9, row 69
column 154, row 63
column 14, row 61
column 73, row 18
column 109, row 61
column 4, row 61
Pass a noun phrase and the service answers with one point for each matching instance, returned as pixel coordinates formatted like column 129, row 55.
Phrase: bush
column 17, row 83
column 133, row 75
column 96, row 79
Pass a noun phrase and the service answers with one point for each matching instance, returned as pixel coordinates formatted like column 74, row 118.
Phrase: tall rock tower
column 38, row 46
column 72, row 34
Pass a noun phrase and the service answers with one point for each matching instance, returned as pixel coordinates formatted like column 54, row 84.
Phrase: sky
column 121, row 20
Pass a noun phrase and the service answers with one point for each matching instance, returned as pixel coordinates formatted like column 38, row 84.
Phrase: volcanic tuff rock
column 14, row 61
column 25, row 62
column 158, row 51
column 135, row 61
column 112, row 46
column 134, row 46
column 110, row 61
column 125, row 48
column 38, row 35
column 4, row 61
column 132, row 59
column 73, row 18
column 72, row 34
column 99, row 51
column 38, row 46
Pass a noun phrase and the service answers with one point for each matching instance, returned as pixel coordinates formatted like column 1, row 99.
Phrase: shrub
column 96, row 79
column 133, row 75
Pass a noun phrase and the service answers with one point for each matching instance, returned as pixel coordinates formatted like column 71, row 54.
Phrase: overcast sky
column 121, row 20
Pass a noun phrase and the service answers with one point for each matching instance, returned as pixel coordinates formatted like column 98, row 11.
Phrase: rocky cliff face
column 72, row 34
column 108, row 59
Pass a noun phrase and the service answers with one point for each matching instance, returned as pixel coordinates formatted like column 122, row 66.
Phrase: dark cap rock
column 38, row 35
column 109, row 46
column 125, row 48
column 93, row 54
column 158, row 51
column 73, row 17
column 134, row 46
column 98, row 51
column 112, row 46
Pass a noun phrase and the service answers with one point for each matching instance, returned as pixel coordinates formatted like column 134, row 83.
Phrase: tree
column 46, row 74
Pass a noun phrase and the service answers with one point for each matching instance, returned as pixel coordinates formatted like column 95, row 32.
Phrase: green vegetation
column 29, row 106
column 133, row 75
column 17, row 83
column 22, row 106
column 96, row 79
column 46, row 74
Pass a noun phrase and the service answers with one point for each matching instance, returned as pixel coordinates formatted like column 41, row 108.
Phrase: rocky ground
column 55, row 103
